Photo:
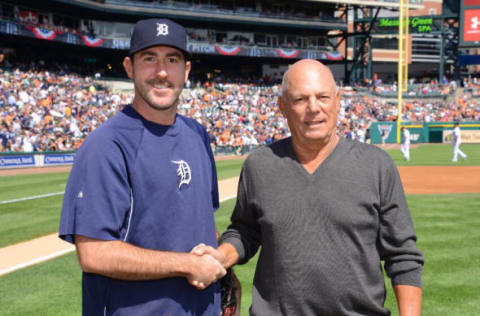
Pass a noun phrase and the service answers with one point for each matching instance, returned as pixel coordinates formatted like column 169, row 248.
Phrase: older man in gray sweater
column 326, row 212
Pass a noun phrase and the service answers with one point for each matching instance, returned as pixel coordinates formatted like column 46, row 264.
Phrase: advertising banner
column 468, row 136
column 469, row 23
column 416, row 135
column 17, row 161
column 383, row 132
column 58, row 159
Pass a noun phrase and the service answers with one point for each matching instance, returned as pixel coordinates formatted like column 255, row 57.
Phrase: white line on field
column 58, row 193
column 228, row 198
column 37, row 260
column 31, row 197
column 61, row 252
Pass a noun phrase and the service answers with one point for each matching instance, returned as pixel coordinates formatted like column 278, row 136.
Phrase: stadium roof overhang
column 206, row 16
column 371, row 3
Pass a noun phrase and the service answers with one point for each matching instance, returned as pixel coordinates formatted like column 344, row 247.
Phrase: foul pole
column 402, row 80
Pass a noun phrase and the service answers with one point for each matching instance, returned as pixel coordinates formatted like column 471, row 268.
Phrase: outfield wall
column 432, row 132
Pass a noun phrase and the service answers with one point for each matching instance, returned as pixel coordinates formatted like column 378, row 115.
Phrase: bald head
column 310, row 103
column 307, row 68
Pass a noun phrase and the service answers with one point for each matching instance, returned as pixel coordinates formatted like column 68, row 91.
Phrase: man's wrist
column 187, row 264
column 229, row 254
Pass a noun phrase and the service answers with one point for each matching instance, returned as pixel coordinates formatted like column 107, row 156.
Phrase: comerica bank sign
column 417, row 24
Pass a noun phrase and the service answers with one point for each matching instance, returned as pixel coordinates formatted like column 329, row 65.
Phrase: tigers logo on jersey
column 183, row 171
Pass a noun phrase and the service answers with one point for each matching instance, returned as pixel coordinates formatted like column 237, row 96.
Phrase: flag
column 287, row 53
column 45, row 34
column 29, row 16
column 92, row 41
column 228, row 51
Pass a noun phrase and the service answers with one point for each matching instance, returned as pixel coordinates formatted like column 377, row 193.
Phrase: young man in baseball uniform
column 405, row 146
column 143, row 191
column 456, row 141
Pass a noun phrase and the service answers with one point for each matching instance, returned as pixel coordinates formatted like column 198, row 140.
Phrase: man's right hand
column 205, row 271
column 202, row 249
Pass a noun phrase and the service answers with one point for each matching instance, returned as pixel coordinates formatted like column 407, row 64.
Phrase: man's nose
column 313, row 104
column 161, row 69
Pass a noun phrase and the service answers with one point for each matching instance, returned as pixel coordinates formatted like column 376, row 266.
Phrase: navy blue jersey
column 152, row 186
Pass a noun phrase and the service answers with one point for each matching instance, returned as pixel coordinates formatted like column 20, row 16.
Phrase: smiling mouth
column 313, row 123
column 161, row 86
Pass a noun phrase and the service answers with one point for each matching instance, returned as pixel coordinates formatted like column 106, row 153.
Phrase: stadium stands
column 49, row 101
column 47, row 111
column 43, row 111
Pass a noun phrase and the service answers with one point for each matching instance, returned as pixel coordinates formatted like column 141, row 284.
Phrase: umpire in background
column 326, row 212
column 143, row 191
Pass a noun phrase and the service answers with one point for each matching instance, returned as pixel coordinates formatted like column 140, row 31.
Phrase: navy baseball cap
column 158, row 32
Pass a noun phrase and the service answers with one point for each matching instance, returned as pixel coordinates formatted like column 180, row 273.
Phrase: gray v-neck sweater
column 323, row 235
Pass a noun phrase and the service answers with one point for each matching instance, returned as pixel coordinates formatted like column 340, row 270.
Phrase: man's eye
column 173, row 60
column 149, row 59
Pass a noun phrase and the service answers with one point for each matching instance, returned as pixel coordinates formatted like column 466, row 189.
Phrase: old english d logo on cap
column 158, row 32
column 162, row 29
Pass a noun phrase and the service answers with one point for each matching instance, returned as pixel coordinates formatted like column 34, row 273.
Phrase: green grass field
column 30, row 219
column 437, row 155
column 447, row 229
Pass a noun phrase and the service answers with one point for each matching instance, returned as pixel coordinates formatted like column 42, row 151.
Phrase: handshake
column 208, row 266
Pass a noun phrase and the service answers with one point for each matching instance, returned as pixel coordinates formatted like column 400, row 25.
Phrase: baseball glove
column 231, row 294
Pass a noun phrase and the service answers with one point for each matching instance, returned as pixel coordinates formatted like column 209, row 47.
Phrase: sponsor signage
column 383, row 132
column 468, row 136
column 471, row 29
column 469, row 23
column 17, row 161
column 417, row 24
column 58, row 159
column 471, row 2
column 416, row 135
column 201, row 48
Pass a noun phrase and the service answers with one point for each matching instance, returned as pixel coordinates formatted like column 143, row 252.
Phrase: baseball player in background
column 142, row 193
column 405, row 146
column 456, row 141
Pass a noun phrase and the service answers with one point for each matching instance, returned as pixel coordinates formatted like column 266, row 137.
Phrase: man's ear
column 188, row 67
column 281, row 105
column 337, row 99
column 128, row 66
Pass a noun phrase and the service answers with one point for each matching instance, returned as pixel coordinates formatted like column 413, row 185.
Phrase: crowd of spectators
column 359, row 111
column 238, row 116
column 42, row 111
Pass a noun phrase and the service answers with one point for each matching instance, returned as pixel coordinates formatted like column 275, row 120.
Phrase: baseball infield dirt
column 438, row 180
